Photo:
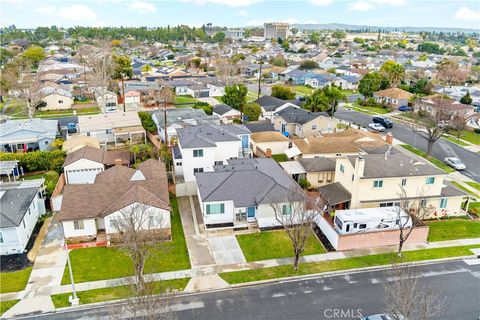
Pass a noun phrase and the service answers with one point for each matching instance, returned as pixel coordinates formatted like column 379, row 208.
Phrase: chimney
column 359, row 166
column 118, row 162
column 268, row 153
column 389, row 138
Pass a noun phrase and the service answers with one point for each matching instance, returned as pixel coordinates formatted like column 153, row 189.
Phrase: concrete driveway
column 211, row 101
column 226, row 250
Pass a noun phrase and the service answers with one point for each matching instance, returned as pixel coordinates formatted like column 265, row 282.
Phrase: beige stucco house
column 273, row 140
column 302, row 123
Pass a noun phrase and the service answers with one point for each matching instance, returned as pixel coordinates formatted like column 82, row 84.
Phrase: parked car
column 455, row 163
column 376, row 127
column 110, row 109
column 385, row 122
column 71, row 127
column 405, row 108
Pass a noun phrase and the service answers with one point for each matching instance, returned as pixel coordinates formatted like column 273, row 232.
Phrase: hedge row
column 37, row 160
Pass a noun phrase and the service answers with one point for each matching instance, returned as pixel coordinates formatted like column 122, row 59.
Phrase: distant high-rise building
column 274, row 30
column 235, row 34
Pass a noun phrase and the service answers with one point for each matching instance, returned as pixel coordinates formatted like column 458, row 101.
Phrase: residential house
column 89, row 212
column 448, row 107
column 385, row 180
column 393, row 97
column 56, row 98
column 202, row 147
column 108, row 100
column 74, row 143
column 267, row 143
column 348, row 142
column 226, row 113
column 83, row 165
column 299, row 122
column 243, row 191
column 260, row 126
column 27, row 135
column 270, row 105
column 22, row 203
column 317, row 171
column 179, row 118
column 117, row 127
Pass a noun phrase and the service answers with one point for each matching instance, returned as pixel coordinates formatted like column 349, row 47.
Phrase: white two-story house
column 21, row 204
column 379, row 180
column 202, row 147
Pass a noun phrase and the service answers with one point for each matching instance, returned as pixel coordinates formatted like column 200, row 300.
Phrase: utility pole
column 260, row 78
column 74, row 301
column 123, row 90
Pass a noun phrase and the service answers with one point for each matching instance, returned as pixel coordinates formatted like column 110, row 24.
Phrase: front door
column 251, row 214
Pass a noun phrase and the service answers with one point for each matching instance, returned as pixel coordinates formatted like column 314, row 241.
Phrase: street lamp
column 74, row 300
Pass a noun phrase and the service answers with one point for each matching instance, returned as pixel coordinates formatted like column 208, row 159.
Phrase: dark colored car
column 405, row 108
column 385, row 122
column 71, row 128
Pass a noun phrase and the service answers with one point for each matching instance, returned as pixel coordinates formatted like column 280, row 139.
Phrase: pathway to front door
column 226, row 250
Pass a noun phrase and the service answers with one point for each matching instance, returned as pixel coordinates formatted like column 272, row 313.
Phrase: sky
column 239, row 13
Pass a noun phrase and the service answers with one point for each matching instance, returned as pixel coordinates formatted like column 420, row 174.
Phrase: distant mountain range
column 341, row 26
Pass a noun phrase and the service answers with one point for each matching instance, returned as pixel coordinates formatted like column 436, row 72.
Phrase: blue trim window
column 378, row 184
column 215, row 208
column 342, row 168
column 404, row 182
column 197, row 153
column 430, row 180
column 443, row 203
column 287, row 209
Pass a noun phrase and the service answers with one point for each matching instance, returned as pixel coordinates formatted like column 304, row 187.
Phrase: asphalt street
column 331, row 297
column 441, row 149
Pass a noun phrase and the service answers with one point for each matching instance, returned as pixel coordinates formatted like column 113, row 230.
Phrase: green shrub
column 476, row 130
column 147, row 122
column 37, row 160
column 51, row 179
column 205, row 106
column 304, row 184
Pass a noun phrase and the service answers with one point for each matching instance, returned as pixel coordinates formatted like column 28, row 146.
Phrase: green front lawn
column 303, row 90
column 274, row 245
column 57, row 113
column 470, row 136
column 458, row 185
column 370, row 109
column 455, row 140
column 474, row 207
column 91, row 264
column 184, row 100
column 433, row 160
column 115, row 293
column 344, row 264
column 473, row 184
column 453, row 229
column 281, row 157
column 14, row 281
column 6, row 305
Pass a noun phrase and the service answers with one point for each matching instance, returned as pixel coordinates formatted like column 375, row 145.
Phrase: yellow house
column 384, row 180
column 302, row 123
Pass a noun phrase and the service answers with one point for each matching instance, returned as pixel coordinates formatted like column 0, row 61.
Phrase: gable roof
column 34, row 128
column 260, row 126
column 395, row 93
column 317, row 164
column 207, row 135
column 247, row 182
column 221, row 109
column 298, row 115
column 14, row 204
column 97, row 155
column 269, row 103
column 268, row 136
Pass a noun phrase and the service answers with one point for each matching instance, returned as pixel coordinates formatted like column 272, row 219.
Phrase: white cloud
column 142, row 7
column 231, row 3
column 320, row 2
column 242, row 13
column 46, row 9
column 360, row 6
column 77, row 12
column 365, row 5
column 465, row 13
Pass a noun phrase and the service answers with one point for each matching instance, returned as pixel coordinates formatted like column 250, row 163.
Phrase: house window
column 430, row 180
column 197, row 170
column 33, row 204
column 215, row 208
column 362, row 226
column 153, row 221
column 443, row 203
column 353, row 177
column 24, row 225
column 108, row 131
column 314, row 127
column 342, row 168
column 423, row 203
column 378, row 184
column 389, row 204
column 404, row 182
column 218, row 163
column 46, row 143
column 60, row 101
column 78, row 225
column 197, row 153
column 29, row 211
column 88, row 134
column 1, row 237
column 287, row 209
column 178, row 164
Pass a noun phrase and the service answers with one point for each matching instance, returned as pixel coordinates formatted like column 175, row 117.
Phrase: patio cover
column 335, row 193
column 292, row 167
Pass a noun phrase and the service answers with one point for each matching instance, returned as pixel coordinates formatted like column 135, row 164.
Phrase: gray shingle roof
column 396, row 165
column 335, row 193
column 247, row 182
column 298, row 115
column 317, row 164
column 222, row 109
column 260, row 126
column 14, row 204
column 207, row 134
column 183, row 116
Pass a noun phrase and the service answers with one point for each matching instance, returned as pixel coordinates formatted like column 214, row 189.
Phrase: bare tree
column 449, row 73
column 227, row 70
column 296, row 215
column 435, row 123
column 139, row 231
column 165, row 96
column 410, row 214
column 409, row 296
column 458, row 124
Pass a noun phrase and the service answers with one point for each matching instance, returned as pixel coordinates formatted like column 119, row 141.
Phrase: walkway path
column 47, row 272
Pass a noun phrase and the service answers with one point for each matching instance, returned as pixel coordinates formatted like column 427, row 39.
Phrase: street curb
column 262, row 282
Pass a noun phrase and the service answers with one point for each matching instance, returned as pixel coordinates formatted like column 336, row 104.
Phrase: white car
column 376, row 127
column 110, row 109
column 455, row 163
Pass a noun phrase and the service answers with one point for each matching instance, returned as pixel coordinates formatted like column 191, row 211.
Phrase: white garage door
column 83, row 176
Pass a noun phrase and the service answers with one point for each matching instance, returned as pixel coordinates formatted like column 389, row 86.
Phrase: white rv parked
column 370, row 219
